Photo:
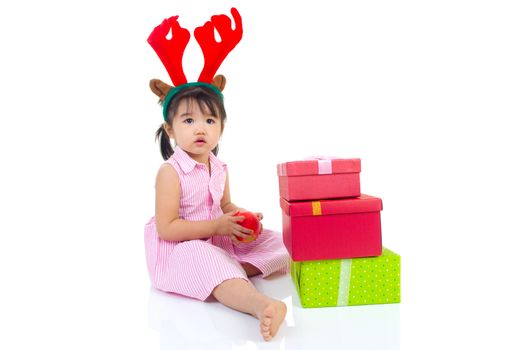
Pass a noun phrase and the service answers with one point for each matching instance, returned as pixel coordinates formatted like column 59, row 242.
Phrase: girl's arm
column 168, row 223
column 225, row 203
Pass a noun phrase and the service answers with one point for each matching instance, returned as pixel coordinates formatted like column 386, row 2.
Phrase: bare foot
column 271, row 317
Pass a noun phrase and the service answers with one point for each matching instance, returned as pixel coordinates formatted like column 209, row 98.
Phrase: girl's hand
column 227, row 225
column 260, row 217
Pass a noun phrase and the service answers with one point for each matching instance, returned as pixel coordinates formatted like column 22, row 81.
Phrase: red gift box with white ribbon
column 319, row 178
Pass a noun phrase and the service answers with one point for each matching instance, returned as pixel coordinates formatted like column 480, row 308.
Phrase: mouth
column 200, row 141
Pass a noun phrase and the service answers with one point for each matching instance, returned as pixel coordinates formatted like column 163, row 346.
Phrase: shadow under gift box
column 341, row 282
column 333, row 228
column 319, row 179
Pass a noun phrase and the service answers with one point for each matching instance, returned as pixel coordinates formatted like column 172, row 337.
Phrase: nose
column 199, row 128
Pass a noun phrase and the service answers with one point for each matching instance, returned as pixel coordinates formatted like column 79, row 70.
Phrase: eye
column 211, row 121
column 188, row 121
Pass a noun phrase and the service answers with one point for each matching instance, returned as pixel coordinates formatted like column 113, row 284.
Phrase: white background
column 431, row 95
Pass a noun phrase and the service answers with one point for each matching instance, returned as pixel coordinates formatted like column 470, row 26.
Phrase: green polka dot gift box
column 342, row 282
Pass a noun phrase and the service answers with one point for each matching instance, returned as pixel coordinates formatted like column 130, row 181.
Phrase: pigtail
column 165, row 144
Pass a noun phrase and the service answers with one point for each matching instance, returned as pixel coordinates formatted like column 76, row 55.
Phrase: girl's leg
column 242, row 296
column 250, row 270
column 267, row 253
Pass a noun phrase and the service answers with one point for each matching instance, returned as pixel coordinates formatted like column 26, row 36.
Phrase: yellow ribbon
column 316, row 208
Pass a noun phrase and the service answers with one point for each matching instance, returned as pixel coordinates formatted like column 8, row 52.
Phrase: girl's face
column 196, row 130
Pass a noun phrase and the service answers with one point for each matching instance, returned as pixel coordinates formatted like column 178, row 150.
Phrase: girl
column 191, row 243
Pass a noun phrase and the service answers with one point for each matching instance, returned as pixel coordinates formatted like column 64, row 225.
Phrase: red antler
column 170, row 51
column 215, row 53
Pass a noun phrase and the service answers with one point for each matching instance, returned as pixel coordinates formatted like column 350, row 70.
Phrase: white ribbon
column 324, row 164
column 282, row 169
column 344, row 282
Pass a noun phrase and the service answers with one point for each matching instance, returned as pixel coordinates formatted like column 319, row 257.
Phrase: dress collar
column 187, row 164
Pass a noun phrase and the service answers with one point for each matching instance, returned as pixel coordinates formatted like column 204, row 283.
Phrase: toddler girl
column 191, row 244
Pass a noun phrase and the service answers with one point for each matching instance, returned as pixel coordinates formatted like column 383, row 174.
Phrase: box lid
column 361, row 204
column 319, row 165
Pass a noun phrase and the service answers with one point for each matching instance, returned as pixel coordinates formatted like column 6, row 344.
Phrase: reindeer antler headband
column 170, row 52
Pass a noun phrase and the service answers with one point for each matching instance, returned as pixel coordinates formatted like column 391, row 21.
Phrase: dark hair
column 206, row 99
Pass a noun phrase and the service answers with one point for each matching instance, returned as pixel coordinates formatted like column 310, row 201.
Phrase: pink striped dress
column 194, row 268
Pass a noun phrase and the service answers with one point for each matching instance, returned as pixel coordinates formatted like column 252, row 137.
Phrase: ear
column 168, row 129
column 219, row 81
column 159, row 88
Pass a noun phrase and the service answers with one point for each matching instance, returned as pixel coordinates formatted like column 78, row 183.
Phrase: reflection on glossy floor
column 185, row 323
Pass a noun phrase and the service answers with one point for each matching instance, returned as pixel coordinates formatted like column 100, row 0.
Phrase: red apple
column 251, row 222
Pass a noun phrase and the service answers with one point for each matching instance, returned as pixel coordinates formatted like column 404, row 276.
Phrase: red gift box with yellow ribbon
column 319, row 177
column 333, row 228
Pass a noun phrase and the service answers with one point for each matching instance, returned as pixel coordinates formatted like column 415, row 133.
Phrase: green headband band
column 175, row 90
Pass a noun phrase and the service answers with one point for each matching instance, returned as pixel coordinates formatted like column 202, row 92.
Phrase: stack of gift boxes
column 333, row 235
